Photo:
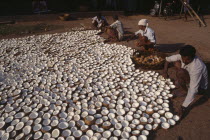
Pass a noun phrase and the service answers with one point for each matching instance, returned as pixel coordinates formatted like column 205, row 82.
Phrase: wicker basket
column 156, row 66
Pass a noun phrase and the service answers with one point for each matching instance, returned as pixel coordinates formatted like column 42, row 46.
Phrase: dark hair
column 115, row 17
column 188, row 50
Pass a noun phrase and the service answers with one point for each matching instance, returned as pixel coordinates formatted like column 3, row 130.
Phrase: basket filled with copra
column 148, row 60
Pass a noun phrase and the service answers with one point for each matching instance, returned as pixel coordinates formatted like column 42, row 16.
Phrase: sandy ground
column 171, row 35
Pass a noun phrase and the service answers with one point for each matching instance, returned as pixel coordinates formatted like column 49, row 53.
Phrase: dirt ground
column 171, row 35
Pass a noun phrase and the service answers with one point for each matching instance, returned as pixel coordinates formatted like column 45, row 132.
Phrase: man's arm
column 169, row 59
column 113, row 25
column 165, row 70
column 94, row 19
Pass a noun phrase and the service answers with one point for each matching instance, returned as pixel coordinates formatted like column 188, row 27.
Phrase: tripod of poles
column 187, row 9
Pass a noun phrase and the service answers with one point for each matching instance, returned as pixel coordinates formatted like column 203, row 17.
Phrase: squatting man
column 146, row 35
column 191, row 73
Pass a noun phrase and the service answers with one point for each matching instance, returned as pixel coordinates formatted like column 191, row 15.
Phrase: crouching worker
column 146, row 31
column 115, row 31
column 191, row 74
column 99, row 21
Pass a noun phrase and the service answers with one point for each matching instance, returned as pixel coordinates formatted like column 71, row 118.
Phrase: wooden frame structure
column 189, row 9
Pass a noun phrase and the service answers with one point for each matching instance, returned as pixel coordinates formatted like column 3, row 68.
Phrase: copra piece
column 73, row 85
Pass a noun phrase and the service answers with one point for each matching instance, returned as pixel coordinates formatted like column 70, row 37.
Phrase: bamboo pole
column 190, row 9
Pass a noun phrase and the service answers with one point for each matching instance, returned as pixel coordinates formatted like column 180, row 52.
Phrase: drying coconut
column 70, row 138
column 125, row 135
column 77, row 134
column 89, row 133
column 46, row 122
column 47, row 136
column 2, row 123
column 117, row 133
column 133, row 138
column 113, row 138
column 135, row 132
column 63, row 125
column 125, row 123
column 54, row 123
column 165, row 125
column 99, row 121
column 161, row 112
column 80, row 123
column 9, row 119
column 54, row 89
column 106, row 125
column 19, row 126
column 9, row 129
column 168, row 115
column 143, row 120
column 84, row 128
column 176, row 118
column 84, row 137
column 106, row 134
column 129, row 117
column 37, row 135
column 33, row 115
column 55, row 133
column 149, row 111
column 142, row 137
column 171, row 122
column 37, row 127
column 27, row 130
column 89, row 120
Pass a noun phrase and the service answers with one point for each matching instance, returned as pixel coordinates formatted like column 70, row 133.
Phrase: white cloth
column 99, row 21
column 198, row 76
column 149, row 33
column 119, row 27
column 143, row 22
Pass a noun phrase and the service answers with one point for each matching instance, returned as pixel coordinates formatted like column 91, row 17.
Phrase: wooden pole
column 180, row 15
column 190, row 9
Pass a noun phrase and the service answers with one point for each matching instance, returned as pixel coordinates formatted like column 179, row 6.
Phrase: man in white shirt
column 99, row 21
column 116, row 30
column 145, row 31
column 118, row 26
column 192, row 73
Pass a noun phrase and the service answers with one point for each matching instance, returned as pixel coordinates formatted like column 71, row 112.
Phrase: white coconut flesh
column 72, row 85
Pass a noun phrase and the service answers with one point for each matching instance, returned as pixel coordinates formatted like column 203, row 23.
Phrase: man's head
column 99, row 15
column 143, row 23
column 115, row 17
column 187, row 53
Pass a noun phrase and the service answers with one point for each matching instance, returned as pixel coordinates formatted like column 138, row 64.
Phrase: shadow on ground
column 169, row 48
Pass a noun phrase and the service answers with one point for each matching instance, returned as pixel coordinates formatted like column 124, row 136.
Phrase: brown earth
column 171, row 35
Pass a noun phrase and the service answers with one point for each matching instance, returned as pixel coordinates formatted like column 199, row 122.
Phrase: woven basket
column 148, row 65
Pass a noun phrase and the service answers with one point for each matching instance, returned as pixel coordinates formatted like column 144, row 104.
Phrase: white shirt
column 99, row 21
column 198, row 76
column 149, row 33
column 119, row 27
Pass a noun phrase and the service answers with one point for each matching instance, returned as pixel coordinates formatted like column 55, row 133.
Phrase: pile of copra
column 73, row 86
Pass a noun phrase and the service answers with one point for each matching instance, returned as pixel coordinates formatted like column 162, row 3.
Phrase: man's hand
column 182, row 112
column 137, row 44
